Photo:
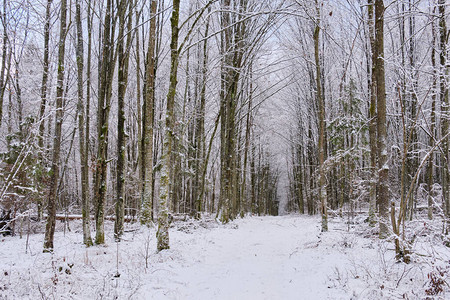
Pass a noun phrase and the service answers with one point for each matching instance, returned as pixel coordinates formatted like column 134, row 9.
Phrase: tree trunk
column 44, row 75
column 372, row 119
column 88, row 97
column 322, row 126
column 3, row 73
column 226, row 130
column 139, row 164
column 87, row 240
column 148, row 120
column 200, row 128
column 162, row 234
column 232, row 51
column 443, row 95
column 413, row 159
column 312, row 161
column 104, row 104
column 248, row 126
column 430, row 166
column 122, row 80
column 53, row 196
column 383, row 168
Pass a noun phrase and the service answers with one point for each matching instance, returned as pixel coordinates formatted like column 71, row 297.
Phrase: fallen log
column 71, row 217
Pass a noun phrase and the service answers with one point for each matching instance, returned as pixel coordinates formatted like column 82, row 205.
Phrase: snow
column 252, row 258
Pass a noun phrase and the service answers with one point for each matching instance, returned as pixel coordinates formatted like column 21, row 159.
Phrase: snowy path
column 266, row 258
column 253, row 258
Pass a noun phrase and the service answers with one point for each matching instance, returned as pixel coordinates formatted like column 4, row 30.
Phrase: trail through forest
column 259, row 258
column 284, row 257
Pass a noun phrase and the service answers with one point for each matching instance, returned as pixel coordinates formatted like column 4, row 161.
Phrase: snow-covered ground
column 253, row 258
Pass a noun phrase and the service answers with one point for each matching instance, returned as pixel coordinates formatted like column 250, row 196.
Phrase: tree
column 45, row 73
column 232, row 41
column 372, row 116
column 122, row 81
column 4, row 71
column 383, row 168
column 430, row 166
column 106, row 75
column 164, row 193
column 167, row 175
column 443, row 95
column 411, row 106
column 242, row 35
column 88, row 94
column 322, row 142
column 148, row 121
column 200, row 145
column 87, row 240
column 54, row 180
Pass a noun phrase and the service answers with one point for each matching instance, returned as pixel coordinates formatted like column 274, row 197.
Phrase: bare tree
column 148, row 121
column 167, row 175
column 443, row 95
column 106, row 74
column 52, row 198
column 45, row 73
column 372, row 117
column 4, row 67
column 322, row 142
column 122, row 80
column 200, row 143
column 430, row 167
column 162, row 234
column 383, row 168
column 87, row 240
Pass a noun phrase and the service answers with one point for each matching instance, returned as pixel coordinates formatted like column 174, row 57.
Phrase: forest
column 150, row 117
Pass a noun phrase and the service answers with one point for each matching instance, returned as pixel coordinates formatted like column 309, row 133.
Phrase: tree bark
column 3, row 71
column 88, row 96
column 430, row 166
column 248, row 127
column 200, row 128
column 162, row 234
column 52, row 198
column 322, row 126
column 122, row 81
column 443, row 95
column 148, row 120
column 383, row 168
column 232, row 51
column 372, row 120
column 106, row 75
column 44, row 84
column 87, row 240
column 412, row 158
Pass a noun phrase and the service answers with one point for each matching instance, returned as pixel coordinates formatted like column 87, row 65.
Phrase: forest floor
column 252, row 258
